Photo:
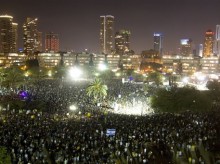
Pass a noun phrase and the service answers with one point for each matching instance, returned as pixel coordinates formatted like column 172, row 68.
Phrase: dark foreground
column 37, row 137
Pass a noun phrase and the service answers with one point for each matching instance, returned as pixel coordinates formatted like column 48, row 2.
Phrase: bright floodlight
column 185, row 80
column 102, row 67
column 75, row 73
column 200, row 76
column 72, row 107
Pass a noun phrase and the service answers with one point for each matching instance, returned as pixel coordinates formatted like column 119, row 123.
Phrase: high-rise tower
column 8, row 34
column 216, row 49
column 122, row 42
column 106, row 34
column 32, row 37
column 51, row 42
column 158, row 43
column 15, row 37
column 208, row 44
column 186, row 47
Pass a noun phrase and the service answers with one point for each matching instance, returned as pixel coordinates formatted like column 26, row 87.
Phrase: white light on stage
column 138, row 108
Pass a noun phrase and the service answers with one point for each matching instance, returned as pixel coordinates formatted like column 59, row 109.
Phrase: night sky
column 77, row 21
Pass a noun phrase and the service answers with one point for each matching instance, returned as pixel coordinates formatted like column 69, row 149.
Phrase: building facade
column 106, row 34
column 208, row 44
column 122, row 42
column 32, row 37
column 52, row 42
column 186, row 47
column 8, row 34
column 15, row 37
column 216, row 49
column 10, row 59
column 158, row 43
column 180, row 65
column 49, row 60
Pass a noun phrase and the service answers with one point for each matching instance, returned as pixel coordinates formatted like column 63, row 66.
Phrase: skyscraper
column 216, row 49
column 106, row 34
column 8, row 33
column 122, row 42
column 186, row 47
column 51, row 42
column 208, row 44
column 32, row 37
column 158, row 43
column 200, row 50
column 15, row 37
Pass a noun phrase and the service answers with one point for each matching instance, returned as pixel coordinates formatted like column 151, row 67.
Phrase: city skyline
column 78, row 24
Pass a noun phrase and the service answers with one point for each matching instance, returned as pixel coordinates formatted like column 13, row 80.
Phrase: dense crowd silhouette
column 57, row 135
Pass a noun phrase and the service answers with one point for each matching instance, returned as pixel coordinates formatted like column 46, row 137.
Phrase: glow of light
column 96, row 74
column 72, row 107
column 75, row 73
column 26, row 74
column 117, row 74
column 200, row 76
column 137, row 108
column 213, row 76
column 185, row 80
column 49, row 73
column 102, row 67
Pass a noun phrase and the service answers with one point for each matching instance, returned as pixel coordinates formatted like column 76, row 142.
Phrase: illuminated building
column 149, row 59
column 209, row 64
column 8, row 34
column 186, row 47
column 200, row 50
column 49, row 60
column 216, row 49
column 51, row 42
column 69, row 59
column 15, row 37
column 131, row 62
column 10, row 59
column 158, row 43
column 122, row 42
column 32, row 37
column 106, row 34
column 180, row 65
column 40, row 43
column 208, row 44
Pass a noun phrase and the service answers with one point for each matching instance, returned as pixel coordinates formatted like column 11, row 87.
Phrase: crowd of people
column 59, row 136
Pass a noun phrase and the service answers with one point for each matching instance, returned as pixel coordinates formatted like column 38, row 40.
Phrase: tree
column 14, row 77
column 180, row 99
column 4, row 156
column 2, row 76
column 107, row 75
column 155, row 77
column 97, row 90
column 213, row 85
column 214, row 90
column 59, row 71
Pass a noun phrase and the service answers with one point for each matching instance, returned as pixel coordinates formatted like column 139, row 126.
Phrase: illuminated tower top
column 208, row 43
column 158, row 43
